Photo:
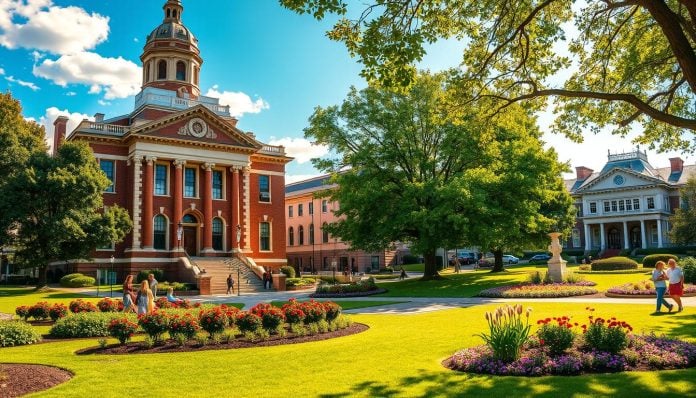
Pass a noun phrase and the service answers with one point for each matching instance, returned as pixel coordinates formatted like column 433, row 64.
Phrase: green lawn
column 398, row 356
column 469, row 284
column 411, row 267
column 13, row 297
column 351, row 305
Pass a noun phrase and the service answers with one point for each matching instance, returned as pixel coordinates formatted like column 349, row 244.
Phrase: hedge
column 651, row 260
column 288, row 271
column 86, row 324
column 689, row 266
column 613, row 263
column 158, row 273
column 672, row 249
column 296, row 282
column 76, row 280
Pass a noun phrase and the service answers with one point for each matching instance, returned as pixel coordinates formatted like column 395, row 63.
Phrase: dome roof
column 172, row 30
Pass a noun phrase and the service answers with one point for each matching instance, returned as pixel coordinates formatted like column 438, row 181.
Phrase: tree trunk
column 43, row 281
column 430, row 271
column 498, row 265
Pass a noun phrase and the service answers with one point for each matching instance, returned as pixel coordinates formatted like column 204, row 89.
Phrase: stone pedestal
column 204, row 285
column 279, row 282
column 557, row 266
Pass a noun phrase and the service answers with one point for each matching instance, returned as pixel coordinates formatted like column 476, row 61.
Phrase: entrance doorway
column 190, row 240
column 614, row 239
column 636, row 239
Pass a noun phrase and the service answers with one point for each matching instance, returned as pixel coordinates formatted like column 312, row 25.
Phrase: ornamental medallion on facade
column 197, row 128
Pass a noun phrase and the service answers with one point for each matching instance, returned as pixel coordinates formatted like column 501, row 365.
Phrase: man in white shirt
column 676, row 282
column 153, row 284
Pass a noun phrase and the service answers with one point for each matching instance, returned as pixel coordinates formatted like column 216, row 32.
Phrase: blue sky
column 269, row 64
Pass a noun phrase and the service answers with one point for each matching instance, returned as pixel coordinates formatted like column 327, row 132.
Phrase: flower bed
column 564, row 347
column 549, row 290
column 643, row 289
column 365, row 287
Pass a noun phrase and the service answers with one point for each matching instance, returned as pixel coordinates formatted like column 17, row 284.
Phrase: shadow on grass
column 30, row 291
column 467, row 284
column 454, row 384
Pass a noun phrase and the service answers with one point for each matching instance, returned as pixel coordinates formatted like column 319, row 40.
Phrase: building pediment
column 196, row 125
column 619, row 179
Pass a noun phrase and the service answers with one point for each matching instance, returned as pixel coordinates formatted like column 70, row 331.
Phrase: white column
column 588, row 239
column 602, row 238
column 625, row 225
column 643, row 242
column 659, row 232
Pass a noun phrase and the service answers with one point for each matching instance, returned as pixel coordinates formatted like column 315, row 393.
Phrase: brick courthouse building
column 189, row 177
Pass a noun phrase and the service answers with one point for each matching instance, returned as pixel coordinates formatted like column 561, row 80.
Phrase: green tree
column 605, row 62
column 57, row 209
column 417, row 170
column 684, row 219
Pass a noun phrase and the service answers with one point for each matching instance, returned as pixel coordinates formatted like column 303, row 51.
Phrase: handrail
column 193, row 265
column 256, row 269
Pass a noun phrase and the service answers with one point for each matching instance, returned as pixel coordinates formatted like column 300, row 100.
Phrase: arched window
column 311, row 234
column 217, row 234
column 174, row 14
column 300, row 233
column 147, row 73
column 160, row 233
column 162, row 69
column 181, row 71
column 169, row 12
column 291, row 236
column 189, row 219
column 324, row 234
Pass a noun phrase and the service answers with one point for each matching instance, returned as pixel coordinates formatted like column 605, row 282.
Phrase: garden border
column 639, row 296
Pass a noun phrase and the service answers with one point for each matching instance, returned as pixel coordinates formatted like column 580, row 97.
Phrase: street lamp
column 179, row 233
column 239, row 281
column 333, row 268
column 111, row 283
column 239, row 235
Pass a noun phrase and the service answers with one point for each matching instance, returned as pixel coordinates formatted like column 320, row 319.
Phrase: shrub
column 185, row 325
column 288, row 271
column 79, row 306
column 231, row 314
column 76, row 280
column 108, row 305
column 163, row 303
column 332, row 309
column 271, row 317
column 652, row 259
column 299, row 282
column 122, row 329
column 22, row 311
column 367, row 285
column 177, row 286
column 314, row 311
column 86, row 324
column 14, row 333
column 410, row 259
column 607, row 335
column 155, row 324
column 557, row 337
column 293, row 312
column 507, row 332
column 689, row 266
column 158, row 273
column 39, row 311
column 58, row 311
column 248, row 322
column 213, row 320
column 613, row 263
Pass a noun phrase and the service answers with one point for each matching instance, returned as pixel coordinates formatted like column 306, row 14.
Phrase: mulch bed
column 18, row 379
column 353, row 294
column 240, row 342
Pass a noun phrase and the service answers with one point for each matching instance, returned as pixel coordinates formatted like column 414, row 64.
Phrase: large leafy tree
column 605, row 62
column 683, row 230
column 52, row 206
column 415, row 169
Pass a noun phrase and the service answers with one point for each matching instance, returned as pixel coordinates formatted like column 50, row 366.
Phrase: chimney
column 676, row 164
column 583, row 173
column 60, row 127
column 99, row 117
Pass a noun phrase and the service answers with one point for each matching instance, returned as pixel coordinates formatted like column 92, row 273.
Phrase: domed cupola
column 171, row 59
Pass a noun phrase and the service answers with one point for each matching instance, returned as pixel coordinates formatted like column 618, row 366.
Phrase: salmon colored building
column 190, row 178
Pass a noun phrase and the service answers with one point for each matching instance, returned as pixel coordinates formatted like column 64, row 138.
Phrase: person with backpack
column 230, row 285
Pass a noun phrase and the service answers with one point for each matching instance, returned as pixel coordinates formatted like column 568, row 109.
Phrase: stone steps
column 218, row 270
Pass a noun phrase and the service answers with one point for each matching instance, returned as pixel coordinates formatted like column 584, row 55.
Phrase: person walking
column 145, row 300
column 128, row 294
column 153, row 284
column 676, row 282
column 230, row 284
column 403, row 274
column 659, row 277
column 267, row 280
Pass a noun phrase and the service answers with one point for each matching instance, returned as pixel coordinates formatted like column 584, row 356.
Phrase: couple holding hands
column 675, row 275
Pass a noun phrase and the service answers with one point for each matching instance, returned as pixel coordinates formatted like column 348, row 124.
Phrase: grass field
column 469, row 284
column 398, row 356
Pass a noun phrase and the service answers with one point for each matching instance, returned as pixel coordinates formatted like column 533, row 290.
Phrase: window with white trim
column 265, row 236
column 159, row 240
column 290, row 211
column 324, row 206
column 576, row 237
column 593, row 207
column 217, row 234
column 264, row 188
column 217, row 184
column 291, row 236
column 161, row 179
column 109, row 168
column 650, row 201
column 300, row 210
column 190, row 182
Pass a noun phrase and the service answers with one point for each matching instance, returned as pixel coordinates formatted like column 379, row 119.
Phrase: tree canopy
column 606, row 63
column 683, row 221
column 410, row 167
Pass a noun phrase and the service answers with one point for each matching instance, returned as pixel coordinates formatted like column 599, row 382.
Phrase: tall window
column 593, row 207
column 576, row 237
column 217, row 184
column 162, row 70
column 264, row 188
column 651, row 203
column 636, row 204
column 311, row 234
column 217, row 234
column 324, row 206
column 160, row 179
column 147, row 73
column 310, row 208
column 190, row 182
column 107, row 166
column 160, row 233
column 290, row 211
column 300, row 235
column 324, row 234
column 291, row 236
column 300, row 210
column 265, row 236
column 180, row 71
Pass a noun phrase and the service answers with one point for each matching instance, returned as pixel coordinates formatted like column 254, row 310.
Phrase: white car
column 510, row 259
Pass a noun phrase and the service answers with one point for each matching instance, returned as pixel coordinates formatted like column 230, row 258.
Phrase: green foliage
column 76, row 280
column 411, row 259
column 122, row 329
column 40, row 311
column 155, row 324
column 507, row 332
column 366, row 285
column 177, row 286
column 684, row 219
column 86, row 324
column 14, row 333
column 606, row 336
column 688, row 264
column 613, row 263
column 652, row 259
column 288, row 271
column 299, row 282
column 248, row 322
column 558, row 336
column 158, row 273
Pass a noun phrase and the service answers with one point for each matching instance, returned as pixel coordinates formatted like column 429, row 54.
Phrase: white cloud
column 239, row 103
column 104, row 103
column 300, row 148
column 22, row 83
column 71, row 94
column 2, row 71
column 289, row 179
column 117, row 77
column 52, row 114
column 38, row 24
column 135, row 39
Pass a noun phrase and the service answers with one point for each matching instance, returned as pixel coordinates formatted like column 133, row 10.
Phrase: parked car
column 465, row 258
column 540, row 257
column 510, row 259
